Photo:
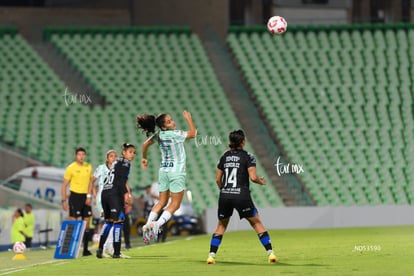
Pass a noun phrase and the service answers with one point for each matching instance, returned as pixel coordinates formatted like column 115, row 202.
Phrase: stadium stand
column 148, row 70
column 339, row 99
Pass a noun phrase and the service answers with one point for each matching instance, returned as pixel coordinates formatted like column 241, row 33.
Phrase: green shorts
column 172, row 181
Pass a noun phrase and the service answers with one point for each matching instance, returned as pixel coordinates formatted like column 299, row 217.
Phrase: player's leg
column 117, row 235
column 118, row 215
column 176, row 188
column 164, row 195
column 108, row 248
column 263, row 235
column 175, row 203
column 87, row 236
column 105, row 232
column 127, row 230
column 224, row 212
column 106, row 229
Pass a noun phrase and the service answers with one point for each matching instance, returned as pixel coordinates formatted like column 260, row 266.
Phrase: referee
column 78, row 178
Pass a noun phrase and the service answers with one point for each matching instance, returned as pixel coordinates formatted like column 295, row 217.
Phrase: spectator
column 17, row 231
column 29, row 221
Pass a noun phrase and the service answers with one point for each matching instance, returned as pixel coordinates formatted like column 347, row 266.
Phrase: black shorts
column 113, row 207
column 245, row 208
column 77, row 206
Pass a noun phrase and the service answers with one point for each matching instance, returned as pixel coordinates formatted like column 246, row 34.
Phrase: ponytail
column 148, row 122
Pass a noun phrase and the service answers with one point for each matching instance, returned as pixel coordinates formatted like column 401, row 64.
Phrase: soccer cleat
column 272, row 258
column 106, row 254
column 120, row 256
column 86, row 253
column 123, row 256
column 146, row 235
column 211, row 260
column 99, row 253
column 155, row 229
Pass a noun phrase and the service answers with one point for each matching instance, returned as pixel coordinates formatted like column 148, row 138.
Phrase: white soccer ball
column 277, row 25
column 19, row 247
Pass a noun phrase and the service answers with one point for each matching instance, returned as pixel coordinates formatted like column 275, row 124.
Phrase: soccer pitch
column 345, row 251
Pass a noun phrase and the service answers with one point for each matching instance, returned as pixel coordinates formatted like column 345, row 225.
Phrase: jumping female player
column 171, row 175
column 113, row 194
column 234, row 169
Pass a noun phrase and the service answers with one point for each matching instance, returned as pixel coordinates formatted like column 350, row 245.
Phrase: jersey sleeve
column 68, row 173
column 98, row 171
column 97, row 174
column 180, row 135
column 251, row 160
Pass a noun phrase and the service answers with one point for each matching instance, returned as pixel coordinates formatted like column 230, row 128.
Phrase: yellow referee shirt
column 79, row 177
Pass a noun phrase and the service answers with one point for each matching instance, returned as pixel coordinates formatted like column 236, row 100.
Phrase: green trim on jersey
column 173, row 157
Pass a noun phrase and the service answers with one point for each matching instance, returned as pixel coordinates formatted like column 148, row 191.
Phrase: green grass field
column 345, row 251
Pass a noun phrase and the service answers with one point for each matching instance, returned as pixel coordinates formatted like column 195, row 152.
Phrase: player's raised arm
column 192, row 132
column 145, row 146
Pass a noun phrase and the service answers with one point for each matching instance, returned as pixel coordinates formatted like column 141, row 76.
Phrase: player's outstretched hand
column 187, row 115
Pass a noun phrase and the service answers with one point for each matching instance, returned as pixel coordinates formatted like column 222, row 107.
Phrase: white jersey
column 100, row 175
column 171, row 143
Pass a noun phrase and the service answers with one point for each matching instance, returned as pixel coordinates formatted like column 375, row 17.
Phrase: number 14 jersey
column 235, row 164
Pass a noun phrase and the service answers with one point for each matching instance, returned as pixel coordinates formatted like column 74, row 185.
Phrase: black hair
column 149, row 122
column 127, row 146
column 29, row 205
column 236, row 138
column 78, row 149
column 20, row 212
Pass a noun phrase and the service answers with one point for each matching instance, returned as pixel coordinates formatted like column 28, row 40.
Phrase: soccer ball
column 277, row 25
column 19, row 247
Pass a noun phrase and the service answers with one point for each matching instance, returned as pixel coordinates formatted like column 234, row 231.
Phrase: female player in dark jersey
column 234, row 170
column 113, row 203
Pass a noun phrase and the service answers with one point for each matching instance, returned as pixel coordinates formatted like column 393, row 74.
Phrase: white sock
column 152, row 216
column 164, row 218
column 109, row 245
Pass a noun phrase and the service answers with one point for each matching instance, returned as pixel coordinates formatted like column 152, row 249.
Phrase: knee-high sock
column 109, row 244
column 117, row 237
column 86, row 238
column 104, row 234
column 164, row 218
column 265, row 240
column 215, row 243
column 151, row 217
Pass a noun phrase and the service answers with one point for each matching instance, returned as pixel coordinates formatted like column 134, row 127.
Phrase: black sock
column 265, row 240
column 215, row 243
column 104, row 234
column 86, row 240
